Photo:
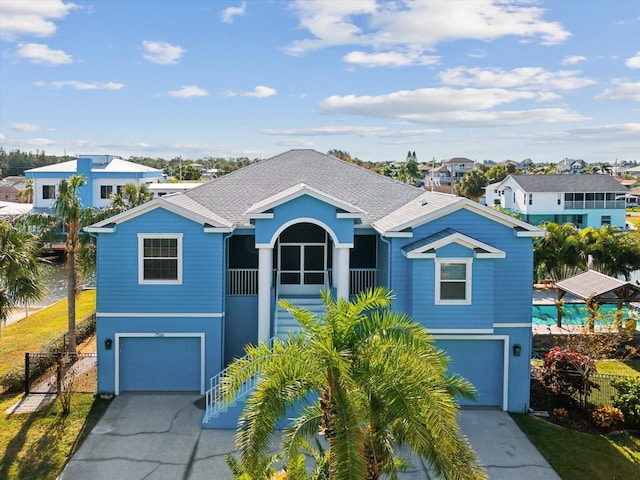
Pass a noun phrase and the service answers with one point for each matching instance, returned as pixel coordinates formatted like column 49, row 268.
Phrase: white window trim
column 467, row 293
column 141, row 238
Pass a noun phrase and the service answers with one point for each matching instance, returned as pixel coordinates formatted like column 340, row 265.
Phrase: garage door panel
column 159, row 364
column 482, row 363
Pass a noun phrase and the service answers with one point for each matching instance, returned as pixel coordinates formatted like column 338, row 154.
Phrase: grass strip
column 38, row 445
column 39, row 328
column 578, row 456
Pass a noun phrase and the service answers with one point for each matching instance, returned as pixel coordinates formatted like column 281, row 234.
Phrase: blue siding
column 304, row 206
column 241, row 325
column 202, row 272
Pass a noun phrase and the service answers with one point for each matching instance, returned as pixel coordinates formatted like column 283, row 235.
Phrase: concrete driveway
column 157, row 437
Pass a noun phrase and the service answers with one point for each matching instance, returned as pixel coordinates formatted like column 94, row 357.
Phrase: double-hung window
column 453, row 281
column 160, row 258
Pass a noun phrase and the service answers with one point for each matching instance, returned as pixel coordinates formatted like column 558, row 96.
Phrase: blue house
column 184, row 282
column 105, row 174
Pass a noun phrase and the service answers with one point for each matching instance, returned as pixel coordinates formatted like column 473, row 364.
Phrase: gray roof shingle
column 230, row 196
column 569, row 183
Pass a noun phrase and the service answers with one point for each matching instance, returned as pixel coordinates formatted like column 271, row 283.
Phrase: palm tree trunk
column 71, row 299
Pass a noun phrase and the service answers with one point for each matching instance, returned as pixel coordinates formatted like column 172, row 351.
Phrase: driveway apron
column 158, row 437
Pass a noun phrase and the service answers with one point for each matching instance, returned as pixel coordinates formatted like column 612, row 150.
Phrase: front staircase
column 284, row 321
column 224, row 415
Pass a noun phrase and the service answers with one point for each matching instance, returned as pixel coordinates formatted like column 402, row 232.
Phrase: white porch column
column 265, row 274
column 341, row 271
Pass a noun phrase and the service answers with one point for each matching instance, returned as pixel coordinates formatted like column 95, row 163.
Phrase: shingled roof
column 232, row 195
column 569, row 183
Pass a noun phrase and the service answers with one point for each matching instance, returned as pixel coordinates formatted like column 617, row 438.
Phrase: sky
column 482, row 79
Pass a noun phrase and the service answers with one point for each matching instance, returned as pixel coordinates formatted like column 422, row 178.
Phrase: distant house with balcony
column 455, row 169
column 584, row 200
column 105, row 174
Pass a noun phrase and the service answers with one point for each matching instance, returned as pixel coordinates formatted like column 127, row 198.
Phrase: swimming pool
column 573, row 313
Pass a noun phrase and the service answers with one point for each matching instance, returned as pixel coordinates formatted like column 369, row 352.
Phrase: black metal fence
column 48, row 372
column 600, row 390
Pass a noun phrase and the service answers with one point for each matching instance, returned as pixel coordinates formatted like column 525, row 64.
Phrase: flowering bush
column 567, row 374
column 606, row 417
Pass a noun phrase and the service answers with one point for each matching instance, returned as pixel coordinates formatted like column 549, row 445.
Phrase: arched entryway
column 303, row 258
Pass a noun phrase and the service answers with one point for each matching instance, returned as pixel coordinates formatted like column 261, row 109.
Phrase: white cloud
column 633, row 62
column 40, row 53
column 448, row 106
column 26, row 127
column 188, row 91
column 161, row 52
column 478, row 53
column 573, row 59
column 33, row 18
column 421, row 25
column 526, row 77
column 259, row 92
column 2, row 137
column 622, row 91
column 81, row 85
column 389, row 59
column 351, row 130
column 228, row 14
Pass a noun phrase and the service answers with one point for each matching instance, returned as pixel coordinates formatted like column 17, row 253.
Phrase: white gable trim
column 299, row 190
column 459, row 238
column 475, row 208
column 152, row 205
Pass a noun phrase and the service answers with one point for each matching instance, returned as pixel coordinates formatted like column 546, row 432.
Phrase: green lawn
column 38, row 445
column 35, row 331
column 579, row 456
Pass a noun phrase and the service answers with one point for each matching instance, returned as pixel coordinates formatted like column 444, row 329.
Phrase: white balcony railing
column 244, row 281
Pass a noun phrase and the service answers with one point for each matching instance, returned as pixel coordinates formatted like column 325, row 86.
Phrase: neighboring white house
column 106, row 174
column 584, row 200
column 569, row 165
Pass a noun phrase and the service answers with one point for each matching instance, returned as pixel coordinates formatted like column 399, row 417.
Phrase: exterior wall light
column 107, row 344
column 517, row 350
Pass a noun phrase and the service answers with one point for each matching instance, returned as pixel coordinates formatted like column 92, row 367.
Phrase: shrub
column 560, row 414
column 606, row 417
column 628, row 399
column 567, row 374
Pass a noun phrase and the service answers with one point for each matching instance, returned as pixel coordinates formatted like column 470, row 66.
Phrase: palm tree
column 68, row 207
column 472, row 184
column 561, row 253
column 129, row 197
column 26, row 194
column 20, row 279
column 372, row 380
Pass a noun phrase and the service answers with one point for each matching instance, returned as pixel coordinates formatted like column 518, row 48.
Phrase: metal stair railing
column 215, row 397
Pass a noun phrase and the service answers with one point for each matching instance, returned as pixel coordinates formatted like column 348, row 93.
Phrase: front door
column 302, row 268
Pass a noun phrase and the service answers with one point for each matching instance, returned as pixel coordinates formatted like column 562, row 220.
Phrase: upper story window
column 48, row 192
column 453, row 281
column 531, row 199
column 160, row 258
column 106, row 191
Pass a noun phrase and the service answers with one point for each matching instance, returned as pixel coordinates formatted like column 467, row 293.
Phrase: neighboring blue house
column 184, row 282
column 584, row 200
column 106, row 174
